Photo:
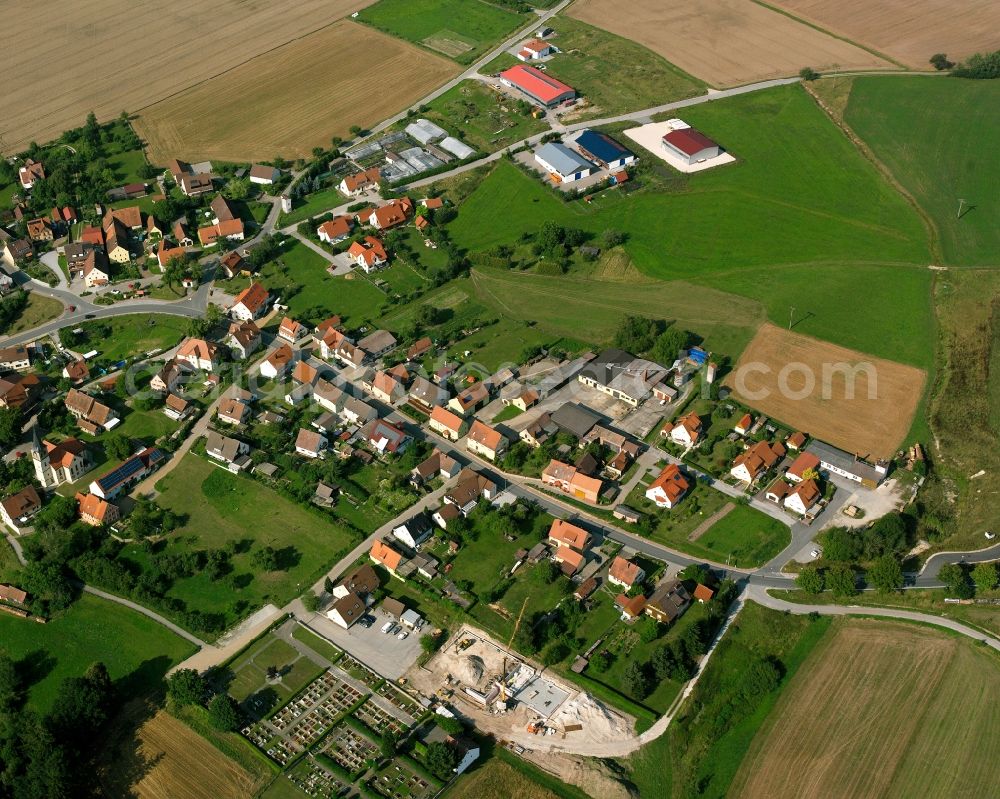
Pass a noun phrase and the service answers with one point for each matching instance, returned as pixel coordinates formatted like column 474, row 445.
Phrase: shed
column 393, row 607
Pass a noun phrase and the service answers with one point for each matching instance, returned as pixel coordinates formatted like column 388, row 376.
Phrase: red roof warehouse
column 690, row 145
column 537, row 85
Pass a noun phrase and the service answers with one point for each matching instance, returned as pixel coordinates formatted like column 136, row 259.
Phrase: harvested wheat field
column 910, row 31
column 107, row 56
column 726, row 42
column 881, row 709
column 293, row 98
column 169, row 760
column 806, row 383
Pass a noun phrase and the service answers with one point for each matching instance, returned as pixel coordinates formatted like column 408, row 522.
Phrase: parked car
column 402, row 635
column 816, row 552
column 71, row 308
column 387, row 626
column 990, row 535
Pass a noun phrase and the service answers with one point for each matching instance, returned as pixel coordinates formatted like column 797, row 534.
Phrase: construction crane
column 510, row 643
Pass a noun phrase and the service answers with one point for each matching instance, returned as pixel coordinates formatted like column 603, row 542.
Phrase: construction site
column 517, row 702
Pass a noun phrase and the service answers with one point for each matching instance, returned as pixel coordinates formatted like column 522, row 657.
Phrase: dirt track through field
column 910, row 31
column 726, row 42
column 880, row 709
column 294, row 98
column 107, row 56
column 776, row 370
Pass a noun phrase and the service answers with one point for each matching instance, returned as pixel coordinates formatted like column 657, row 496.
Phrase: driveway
column 382, row 653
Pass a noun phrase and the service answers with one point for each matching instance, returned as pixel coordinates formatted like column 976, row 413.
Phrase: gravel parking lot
column 382, row 653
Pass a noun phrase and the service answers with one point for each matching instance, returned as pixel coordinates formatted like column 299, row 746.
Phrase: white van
column 387, row 626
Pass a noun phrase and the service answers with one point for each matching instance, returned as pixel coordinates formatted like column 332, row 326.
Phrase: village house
column 362, row 581
column 122, row 478
column 16, row 251
column 486, row 441
column 534, row 49
column 233, row 264
column 91, row 416
column 195, row 185
column 425, row 395
column 29, row 172
column 685, row 431
column 796, row 441
column 292, row 331
column 470, row 400
column 232, row 452
column 250, row 304
column 18, row 390
column 370, row 254
column 743, row 426
column 446, row 424
column 357, row 412
column 668, row 488
column 381, row 554
column 565, row 534
column 419, row 348
column 278, row 362
column 360, row 182
column 95, row 511
column 469, row 488
column 572, row 481
column 387, row 388
column 15, row 359
column 631, row 607
column 414, row 531
column 310, row 444
column 17, row 509
column 437, row 464
column 384, row 437
column 244, row 339
column 199, row 354
column 165, row 254
column 76, row 371
column 346, row 610
column 168, row 378
column 805, row 462
column 177, row 408
column 378, row 343
column 181, row 235
column 625, row 573
column 539, row 431
column 393, row 214
column 233, row 410
column 39, row 229
column 803, row 498
column 335, row 230
column 756, row 460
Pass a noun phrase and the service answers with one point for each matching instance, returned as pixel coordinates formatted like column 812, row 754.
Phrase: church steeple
column 40, row 458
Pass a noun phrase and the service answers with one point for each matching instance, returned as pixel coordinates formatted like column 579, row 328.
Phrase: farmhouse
column 572, row 481
column 806, row 461
column 562, row 164
column 690, row 145
column 485, row 440
column 91, row 416
column 803, row 497
column 96, row 511
column 244, row 339
column 369, row 254
column 250, row 304
column 564, row 534
column 123, row 477
column 668, row 602
column 378, row 343
column 669, row 488
column 392, row 214
column 853, row 467
column 602, row 149
column 622, row 376
column 537, row 86
column 534, row 50
column 199, row 354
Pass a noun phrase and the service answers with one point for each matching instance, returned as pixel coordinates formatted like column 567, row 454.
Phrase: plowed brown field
column 910, row 31
column 880, row 709
column 107, row 56
column 726, row 42
column 783, row 365
column 294, row 98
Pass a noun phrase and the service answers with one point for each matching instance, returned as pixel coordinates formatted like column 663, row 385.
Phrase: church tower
column 40, row 458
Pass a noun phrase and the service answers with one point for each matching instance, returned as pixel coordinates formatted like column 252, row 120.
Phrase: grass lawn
column 136, row 650
column 318, row 645
column 614, row 74
column 219, row 508
column 146, row 425
column 250, row 685
column 461, row 29
column 300, row 278
column 313, row 204
column 508, row 413
column 10, row 568
column 38, row 311
column 930, row 134
column 126, row 166
column 745, row 537
column 121, row 337
column 487, row 120
column 833, row 224
column 696, row 749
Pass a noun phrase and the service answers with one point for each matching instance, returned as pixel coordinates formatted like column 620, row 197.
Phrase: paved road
column 51, row 260
column 927, row 578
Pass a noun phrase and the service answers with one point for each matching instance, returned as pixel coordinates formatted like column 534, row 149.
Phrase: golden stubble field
column 293, row 98
column 910, row 31
column 726, row 42
column 784, row 365
column 64, row 59
column 881, row 709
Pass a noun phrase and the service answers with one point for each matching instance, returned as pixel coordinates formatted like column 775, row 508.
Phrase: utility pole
column 961, row 202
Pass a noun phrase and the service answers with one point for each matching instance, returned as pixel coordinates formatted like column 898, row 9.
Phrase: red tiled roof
column 535, row 82
column 688, row 140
